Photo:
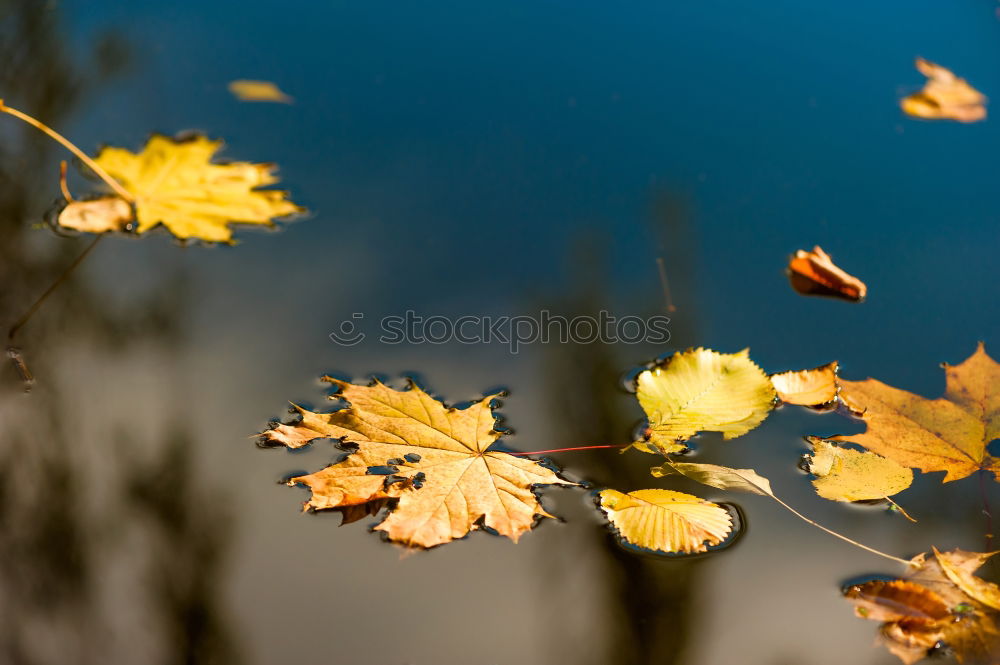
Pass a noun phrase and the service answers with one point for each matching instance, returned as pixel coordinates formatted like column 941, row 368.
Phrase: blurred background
column 474, row 159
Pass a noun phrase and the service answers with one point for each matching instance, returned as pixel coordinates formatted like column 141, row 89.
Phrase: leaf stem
column 837, row 535
column 66, row 143
column 563, row 450
column 13, row 352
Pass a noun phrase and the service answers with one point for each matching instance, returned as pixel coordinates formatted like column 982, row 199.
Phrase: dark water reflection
column 488, row 160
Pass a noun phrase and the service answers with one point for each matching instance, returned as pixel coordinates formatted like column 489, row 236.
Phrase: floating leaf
column 702, row 390
column 945, row 96
column 175, row 183
column 722, row 477
column 843, row 474
column 814, row 273
column 432, row 460
column 948, row 434
column 959, row 566
column 807, row 387
column 666, row 521
column 929, row 608
column 258, row 91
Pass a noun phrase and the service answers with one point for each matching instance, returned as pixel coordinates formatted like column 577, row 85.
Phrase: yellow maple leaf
column 702, row 390
column 939, row 601
column 945, row 96
column 433, row 461
column 175, row 183
column 843, row 474
column 948, row 434
column 665, row 520
column 807, row 387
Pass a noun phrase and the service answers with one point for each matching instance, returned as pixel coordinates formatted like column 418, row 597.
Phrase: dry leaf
column 722, row 477
column 814, row 273
column 431, row 460
column 258, row 91
column 929, row 609
column 958, row 566
column 175, row 183
column 843, row 474
column 702, row 390
column 100, row 215
column 807, row 387
column 945, row 96
column 949, row 434
column 666, row 521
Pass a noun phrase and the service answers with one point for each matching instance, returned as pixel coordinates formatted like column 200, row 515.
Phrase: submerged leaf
column 258, row 91
column 945, row 96
column 666, row 521
column 175, row 183
column 814, row 273
column 807, row 387
column 843, row 474
column 434, row 461
column 702, row 390
column 948, row 434
column 928, row 609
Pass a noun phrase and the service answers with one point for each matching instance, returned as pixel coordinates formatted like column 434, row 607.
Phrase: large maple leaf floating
column 948, row 434
column 940, row 603
column 432, row 461
column 175, row 183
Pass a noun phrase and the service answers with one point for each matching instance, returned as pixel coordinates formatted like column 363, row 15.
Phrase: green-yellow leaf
column 666, row 521
column 702, row 390
column 843, row 474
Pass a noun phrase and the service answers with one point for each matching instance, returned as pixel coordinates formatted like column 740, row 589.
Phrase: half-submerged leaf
column 930, row 608
column 944, row 97
column 433, row 460
column 949, row 434
column 666, row 521
column 175, row 183
column 843, row 474
column 807, row 387
column 702, row 390
column 814, row 273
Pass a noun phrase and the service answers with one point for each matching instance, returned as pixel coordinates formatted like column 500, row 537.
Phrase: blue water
column 498, row 159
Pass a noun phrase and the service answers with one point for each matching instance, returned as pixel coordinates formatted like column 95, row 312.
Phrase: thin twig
column 62, row 182
column 665, row 284
column 66, row 143
column 837, row 535
column 13, row 352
